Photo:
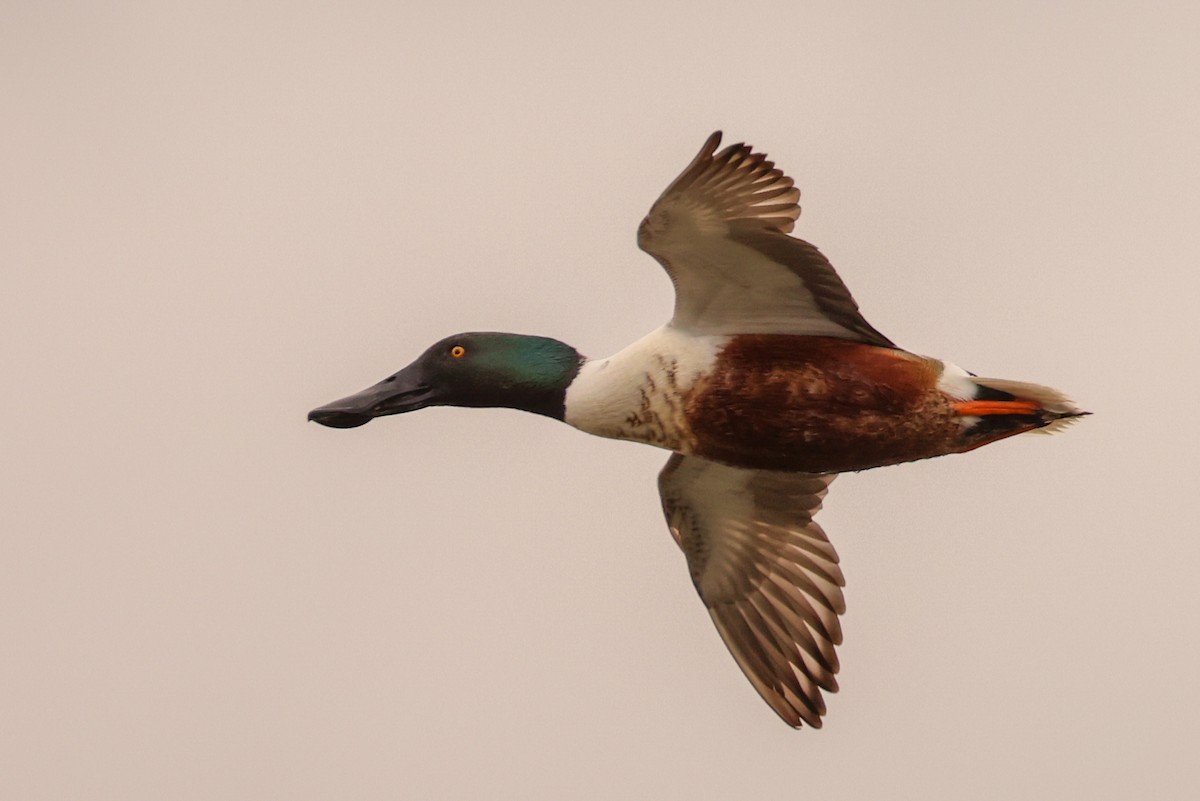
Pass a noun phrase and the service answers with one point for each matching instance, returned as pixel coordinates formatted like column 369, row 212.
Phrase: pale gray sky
column 218, row 216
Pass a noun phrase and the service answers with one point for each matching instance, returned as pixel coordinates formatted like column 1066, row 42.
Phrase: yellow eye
column 458, row 351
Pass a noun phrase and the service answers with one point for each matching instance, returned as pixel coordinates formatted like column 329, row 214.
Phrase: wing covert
column 720, row 230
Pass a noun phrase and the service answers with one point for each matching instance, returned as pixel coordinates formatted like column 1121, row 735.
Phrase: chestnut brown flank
column 819, row 404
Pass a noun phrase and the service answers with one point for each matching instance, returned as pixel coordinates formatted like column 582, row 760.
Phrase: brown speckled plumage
column 820, row 404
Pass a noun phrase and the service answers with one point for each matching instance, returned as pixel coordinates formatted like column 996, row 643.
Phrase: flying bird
column 765, row 384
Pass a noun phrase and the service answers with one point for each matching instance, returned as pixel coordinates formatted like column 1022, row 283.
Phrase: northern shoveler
column 766, row 383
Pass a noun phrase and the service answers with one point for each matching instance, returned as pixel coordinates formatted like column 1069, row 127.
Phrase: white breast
column 638, row 394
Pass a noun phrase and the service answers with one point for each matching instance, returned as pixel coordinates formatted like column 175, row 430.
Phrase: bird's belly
column 820, row 406
column 768, row 402
column 821, row 438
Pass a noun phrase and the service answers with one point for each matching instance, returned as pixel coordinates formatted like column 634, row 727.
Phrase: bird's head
column 479, row 369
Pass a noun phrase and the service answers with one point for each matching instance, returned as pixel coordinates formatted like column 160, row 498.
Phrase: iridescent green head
column 475, row 369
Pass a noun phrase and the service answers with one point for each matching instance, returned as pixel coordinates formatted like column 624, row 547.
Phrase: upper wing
column 721, row 231
column 766, row 572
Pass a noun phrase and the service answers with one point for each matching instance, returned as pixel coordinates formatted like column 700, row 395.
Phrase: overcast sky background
column 217, row 216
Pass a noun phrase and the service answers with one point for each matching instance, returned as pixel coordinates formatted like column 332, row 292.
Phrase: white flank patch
column 636, row 394
column 957, row 382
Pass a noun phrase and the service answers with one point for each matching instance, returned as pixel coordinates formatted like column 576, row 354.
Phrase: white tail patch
column 956, row 382
column 1049, row 399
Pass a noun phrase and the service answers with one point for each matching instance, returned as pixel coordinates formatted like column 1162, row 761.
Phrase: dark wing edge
column 766, row 572
column 811, row 266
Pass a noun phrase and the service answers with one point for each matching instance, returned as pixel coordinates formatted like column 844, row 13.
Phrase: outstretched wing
column 766, row 572
column 721, row 231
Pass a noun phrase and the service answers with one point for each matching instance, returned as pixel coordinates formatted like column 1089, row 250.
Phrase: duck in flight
column 765, row 384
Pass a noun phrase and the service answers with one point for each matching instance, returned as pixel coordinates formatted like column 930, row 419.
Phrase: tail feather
column 1055, row 409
